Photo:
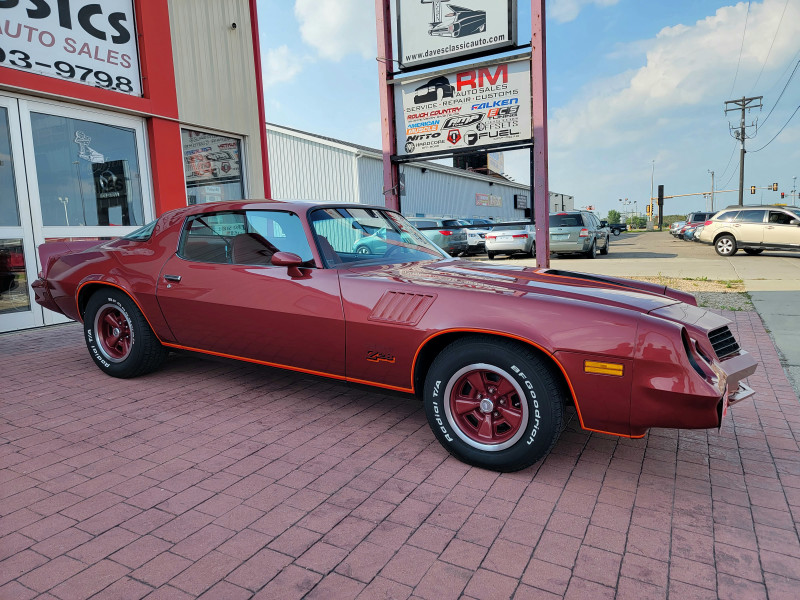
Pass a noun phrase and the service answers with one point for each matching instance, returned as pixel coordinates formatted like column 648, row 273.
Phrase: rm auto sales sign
column 441, row 30
column 473, row 107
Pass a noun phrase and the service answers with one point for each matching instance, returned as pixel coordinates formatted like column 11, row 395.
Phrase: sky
column 636, row 92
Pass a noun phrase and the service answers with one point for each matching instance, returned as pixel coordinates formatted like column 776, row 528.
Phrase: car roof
column 298, row 206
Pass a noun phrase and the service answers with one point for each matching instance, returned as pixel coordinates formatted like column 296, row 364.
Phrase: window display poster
column 84, row 41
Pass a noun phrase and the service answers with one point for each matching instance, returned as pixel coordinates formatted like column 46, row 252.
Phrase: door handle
column 175, row 278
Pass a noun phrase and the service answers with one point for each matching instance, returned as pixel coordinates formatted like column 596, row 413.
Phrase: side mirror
column 289, row 260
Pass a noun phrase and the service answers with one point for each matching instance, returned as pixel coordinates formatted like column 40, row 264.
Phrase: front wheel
column 604, row 250
column 118, row 336
column 494, row 403
column 726, row 245
column 363, row 249
column 616, row 231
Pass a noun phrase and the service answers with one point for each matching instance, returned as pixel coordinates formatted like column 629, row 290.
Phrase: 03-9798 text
column 101, row 79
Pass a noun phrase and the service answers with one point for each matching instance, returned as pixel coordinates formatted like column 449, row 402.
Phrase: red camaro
column 496, row 352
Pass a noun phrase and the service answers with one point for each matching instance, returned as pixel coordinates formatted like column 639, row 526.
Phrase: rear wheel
column 494, row 403
column 726, row 245
column 592, row 252
column 363, row 249
column 753, row 251
column 532, row 252
column 118, row 336
column 491, row 254
column 616, row 231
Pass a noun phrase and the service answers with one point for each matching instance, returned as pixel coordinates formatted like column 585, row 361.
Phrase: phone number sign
column 487, row 105
column 83, row 41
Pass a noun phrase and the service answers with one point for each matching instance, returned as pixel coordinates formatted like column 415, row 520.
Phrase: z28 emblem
column 373, row 356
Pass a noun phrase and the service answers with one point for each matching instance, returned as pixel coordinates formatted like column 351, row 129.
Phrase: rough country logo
column 466, row 21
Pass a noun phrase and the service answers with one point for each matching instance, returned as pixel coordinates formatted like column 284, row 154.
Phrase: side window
column 728, row 216
column 243, row 238
column 751, row 216
column 207, row 237
column 779, row 217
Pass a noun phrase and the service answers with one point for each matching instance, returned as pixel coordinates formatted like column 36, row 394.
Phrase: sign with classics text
column 84, row 41
column 476, row 106
column 441, row 30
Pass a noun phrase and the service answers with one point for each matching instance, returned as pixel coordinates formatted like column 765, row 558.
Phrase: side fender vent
column 723, row 342
column 400, row 308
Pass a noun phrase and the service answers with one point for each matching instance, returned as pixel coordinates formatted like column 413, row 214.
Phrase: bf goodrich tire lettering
column 118, row 336
column 494, row 403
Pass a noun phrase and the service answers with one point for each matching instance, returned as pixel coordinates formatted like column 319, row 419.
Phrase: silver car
column 452, row 239
column 753, row 229
column 511, row 239
column 578, row 232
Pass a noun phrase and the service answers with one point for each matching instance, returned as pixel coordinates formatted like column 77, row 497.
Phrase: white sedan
column 511, row 239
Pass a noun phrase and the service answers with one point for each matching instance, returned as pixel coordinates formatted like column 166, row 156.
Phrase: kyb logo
column 463, row 120
column 454, row 136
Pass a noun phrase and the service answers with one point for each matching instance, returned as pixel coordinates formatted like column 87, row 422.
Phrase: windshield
column 357, row 236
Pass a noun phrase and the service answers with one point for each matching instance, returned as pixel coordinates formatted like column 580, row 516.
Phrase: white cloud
column 671, row 109
column 564, row 11
column 281, row 65
column 336, row 28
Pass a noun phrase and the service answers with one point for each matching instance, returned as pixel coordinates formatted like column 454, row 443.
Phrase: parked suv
column 448, row 234
column 578, row 232
column 692, row 221
column 753, row 229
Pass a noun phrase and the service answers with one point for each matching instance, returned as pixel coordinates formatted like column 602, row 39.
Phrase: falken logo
column 374, row 356
column 463, row 120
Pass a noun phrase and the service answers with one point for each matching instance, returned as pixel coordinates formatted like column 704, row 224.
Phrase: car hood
column 513, row 280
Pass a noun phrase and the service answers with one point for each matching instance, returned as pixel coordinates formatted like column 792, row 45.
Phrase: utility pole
column 712, row 190
column 741, row 133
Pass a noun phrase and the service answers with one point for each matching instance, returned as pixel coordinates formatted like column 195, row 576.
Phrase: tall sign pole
column 539, row 179
column 391, row 178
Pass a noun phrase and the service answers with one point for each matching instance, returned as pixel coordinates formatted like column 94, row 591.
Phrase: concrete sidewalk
column 225, row 480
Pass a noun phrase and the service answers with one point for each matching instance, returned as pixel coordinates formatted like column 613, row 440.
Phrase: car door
column 780, row 232
column 749, row 227
column 221, row 295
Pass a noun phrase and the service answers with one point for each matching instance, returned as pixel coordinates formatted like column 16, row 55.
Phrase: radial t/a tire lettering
column 118, row 336
column 494, row 403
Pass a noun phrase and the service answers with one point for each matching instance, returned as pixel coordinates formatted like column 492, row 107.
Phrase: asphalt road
column 772, row 279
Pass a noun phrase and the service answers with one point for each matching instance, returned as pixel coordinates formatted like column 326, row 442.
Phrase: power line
column 732, row 175
column 782, row 92
column 775, row 37
column 729, row 161
column 741, row 50
column 780, row 132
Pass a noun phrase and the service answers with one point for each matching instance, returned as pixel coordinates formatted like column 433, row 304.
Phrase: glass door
column 88, row 174
column 17, row 253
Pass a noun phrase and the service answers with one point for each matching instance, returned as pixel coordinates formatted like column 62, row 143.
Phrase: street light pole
column 712, row 190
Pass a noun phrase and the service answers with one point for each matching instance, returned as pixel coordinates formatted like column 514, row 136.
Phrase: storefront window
column 13, row 280
column 88, row 173
column 9, row 213
column 213, row 167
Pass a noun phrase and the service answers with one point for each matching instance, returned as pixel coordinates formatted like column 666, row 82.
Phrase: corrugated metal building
column 305, row 166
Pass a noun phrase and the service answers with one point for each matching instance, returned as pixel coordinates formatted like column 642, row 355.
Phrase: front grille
column 723, row 342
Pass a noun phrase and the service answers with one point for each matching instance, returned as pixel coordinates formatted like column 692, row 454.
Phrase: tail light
column 584, row 233
column 707, row 223
column 445, row 232
column 523, row 236
column 491, row 237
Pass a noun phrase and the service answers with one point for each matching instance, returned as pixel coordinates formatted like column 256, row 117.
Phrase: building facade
column 305, row 166
column 114, row 112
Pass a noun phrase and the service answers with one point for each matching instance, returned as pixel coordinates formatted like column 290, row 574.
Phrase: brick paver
column 225, row 480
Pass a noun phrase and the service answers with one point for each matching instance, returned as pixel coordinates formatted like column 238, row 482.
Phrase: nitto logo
column 427, row 136
column 454, row 136
column 463, row 121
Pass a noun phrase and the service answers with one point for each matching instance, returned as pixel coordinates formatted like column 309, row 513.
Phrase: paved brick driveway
column 228, row 481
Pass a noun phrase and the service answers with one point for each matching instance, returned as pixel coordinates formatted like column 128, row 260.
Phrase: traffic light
column 649, row 210
column 752, row 189
column 783, row 195
column 774, row 187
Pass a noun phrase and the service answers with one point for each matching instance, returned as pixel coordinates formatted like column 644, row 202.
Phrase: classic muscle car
column 495, row 352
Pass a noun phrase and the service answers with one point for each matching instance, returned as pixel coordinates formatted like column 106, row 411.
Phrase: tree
column 613, row 217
